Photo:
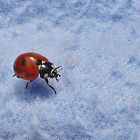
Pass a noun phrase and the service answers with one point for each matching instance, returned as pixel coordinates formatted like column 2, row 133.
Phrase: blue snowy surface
column 98, row 44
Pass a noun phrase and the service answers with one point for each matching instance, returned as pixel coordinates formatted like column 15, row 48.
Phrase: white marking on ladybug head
column 43, row 66
column 52, row 71
column 43, row 62
column 53, row 66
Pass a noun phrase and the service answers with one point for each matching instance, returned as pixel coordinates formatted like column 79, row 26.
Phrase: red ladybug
column 29, row 65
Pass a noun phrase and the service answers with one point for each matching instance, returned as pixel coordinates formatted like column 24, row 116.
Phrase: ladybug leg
column 58, row 67
column 50, row 86
column 57, row 77
column 27, row 84
column 14, row 75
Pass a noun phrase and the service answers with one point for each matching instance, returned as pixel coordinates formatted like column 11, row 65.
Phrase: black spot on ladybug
column 23, row 62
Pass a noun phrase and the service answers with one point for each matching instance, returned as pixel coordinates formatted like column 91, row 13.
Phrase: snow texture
column 98, row 44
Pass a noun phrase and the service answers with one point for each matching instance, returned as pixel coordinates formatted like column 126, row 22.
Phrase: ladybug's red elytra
column 29, row 66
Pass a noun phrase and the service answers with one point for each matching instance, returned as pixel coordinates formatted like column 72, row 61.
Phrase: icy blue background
column 98, row 44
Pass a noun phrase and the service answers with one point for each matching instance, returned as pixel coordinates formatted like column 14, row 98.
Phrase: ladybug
column 29, row 66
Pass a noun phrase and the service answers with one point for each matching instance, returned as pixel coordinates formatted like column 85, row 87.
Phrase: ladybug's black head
column 47, row 69
column 54, row 72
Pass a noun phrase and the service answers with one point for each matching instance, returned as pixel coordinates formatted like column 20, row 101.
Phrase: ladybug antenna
column 60, row 69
